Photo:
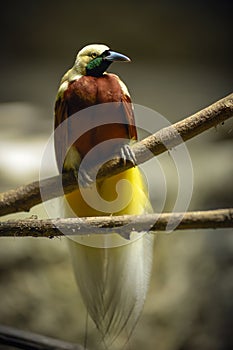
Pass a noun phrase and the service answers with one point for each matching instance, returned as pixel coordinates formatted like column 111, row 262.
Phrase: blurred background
column 181, row 62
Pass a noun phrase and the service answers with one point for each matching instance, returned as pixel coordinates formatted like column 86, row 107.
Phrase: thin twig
column 123, row 225
column 30, row 341
column 25, row 197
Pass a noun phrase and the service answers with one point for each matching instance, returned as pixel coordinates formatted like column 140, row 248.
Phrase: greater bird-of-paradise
column 112, row 273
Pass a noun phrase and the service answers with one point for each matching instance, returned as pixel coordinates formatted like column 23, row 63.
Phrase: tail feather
column 113, row 283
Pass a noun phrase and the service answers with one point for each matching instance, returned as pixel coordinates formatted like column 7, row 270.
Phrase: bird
column 94, row 120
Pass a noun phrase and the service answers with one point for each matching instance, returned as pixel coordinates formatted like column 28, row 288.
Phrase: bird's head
column 94, row 59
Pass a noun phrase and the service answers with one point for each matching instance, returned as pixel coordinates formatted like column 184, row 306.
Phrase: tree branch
column 31, row 341
column 25, row 197
column 124, row 225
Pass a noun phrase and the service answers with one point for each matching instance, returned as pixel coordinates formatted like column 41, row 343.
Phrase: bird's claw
column 125, row 235
column 82, row 177
column 127, row 154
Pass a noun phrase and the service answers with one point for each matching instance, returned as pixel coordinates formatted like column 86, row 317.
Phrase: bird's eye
column 93, row 54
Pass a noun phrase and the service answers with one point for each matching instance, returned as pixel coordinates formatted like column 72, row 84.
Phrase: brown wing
column 60, row 133
column 129, row 115
column 112, row 89
column 127, row 107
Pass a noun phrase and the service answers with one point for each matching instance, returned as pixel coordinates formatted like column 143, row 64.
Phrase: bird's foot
column 83, row 178
column 127, row 154
column 125, row 235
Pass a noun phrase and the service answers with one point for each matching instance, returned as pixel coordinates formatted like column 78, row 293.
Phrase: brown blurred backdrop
column 181, row 61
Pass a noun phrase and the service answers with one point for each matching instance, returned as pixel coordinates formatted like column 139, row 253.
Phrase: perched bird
column 112, row 272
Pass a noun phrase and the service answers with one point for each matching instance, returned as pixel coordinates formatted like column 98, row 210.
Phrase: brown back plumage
column 85, row 92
